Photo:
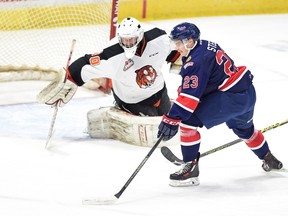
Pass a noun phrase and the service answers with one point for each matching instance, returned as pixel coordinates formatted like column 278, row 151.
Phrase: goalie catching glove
column 61, row 91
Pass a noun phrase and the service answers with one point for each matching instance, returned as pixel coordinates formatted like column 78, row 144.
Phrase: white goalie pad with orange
column 112, row 123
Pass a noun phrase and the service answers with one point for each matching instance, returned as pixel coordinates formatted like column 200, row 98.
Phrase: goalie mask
column 130, row 33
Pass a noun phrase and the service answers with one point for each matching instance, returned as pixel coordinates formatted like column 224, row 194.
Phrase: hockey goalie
column 133, row 61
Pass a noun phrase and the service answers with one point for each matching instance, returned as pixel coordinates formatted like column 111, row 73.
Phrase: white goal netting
column 36, row 35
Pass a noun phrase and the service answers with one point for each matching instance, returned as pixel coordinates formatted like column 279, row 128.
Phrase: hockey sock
column 190, row 142
column 258, row 144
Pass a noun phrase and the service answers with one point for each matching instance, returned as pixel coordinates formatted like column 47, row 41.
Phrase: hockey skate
column 270, row 162
column 186, row 176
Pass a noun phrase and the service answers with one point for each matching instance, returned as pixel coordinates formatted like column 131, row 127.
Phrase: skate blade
column 283, row 169
column 185, row 183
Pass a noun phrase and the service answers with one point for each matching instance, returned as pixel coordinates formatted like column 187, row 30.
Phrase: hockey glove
column 168, row 127
column 60, row 90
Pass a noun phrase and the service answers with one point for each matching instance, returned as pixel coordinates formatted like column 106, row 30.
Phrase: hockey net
column 36, row 35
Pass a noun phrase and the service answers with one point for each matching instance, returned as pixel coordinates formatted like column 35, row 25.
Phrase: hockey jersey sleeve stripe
column 232, row 80
column 189, row 136
column 187, row 102
column 256, row 141
column 191, row 143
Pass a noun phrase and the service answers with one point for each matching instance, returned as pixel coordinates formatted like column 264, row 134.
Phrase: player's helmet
column 185, row 30
column 130, row 33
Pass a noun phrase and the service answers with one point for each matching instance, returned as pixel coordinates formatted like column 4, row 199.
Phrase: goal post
column 36, row 34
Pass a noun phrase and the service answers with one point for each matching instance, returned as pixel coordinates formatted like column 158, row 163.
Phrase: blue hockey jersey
column 205, row 70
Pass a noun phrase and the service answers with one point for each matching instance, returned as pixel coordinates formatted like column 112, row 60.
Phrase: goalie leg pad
column 111, row 122
column 99, row 125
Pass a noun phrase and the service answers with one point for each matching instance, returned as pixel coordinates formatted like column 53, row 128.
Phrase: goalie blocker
column 112, row 123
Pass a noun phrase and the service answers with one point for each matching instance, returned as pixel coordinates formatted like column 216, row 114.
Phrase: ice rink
column 39, row 182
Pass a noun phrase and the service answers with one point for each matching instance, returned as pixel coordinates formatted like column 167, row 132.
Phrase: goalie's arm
column 102, row 65
column 80, row 71
column 61, row 90
column 75, row 69
column 93, row 66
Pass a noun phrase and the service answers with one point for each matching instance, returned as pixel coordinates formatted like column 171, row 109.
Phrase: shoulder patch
column 188, row 64
column 94, row 60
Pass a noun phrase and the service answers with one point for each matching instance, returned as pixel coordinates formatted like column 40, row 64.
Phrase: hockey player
column 133, row 60
column 213, row 91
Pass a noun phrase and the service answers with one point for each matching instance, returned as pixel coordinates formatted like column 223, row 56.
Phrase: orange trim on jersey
column 157, row 104
column 176, row 56
column 69, row 77
column 142, row 48
column 109, row 83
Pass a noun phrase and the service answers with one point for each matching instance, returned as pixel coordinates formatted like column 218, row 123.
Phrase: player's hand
column 168, row 127
column 59, row 91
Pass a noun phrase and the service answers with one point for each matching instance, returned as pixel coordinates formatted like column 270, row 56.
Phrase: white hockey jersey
column 135, row 79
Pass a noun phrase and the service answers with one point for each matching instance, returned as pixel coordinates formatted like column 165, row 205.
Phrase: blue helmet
column 185, row 30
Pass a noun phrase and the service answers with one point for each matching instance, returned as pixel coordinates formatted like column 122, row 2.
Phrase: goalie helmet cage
column 36, row 35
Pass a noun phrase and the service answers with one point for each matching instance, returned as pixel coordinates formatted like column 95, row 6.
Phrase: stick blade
column 100, row 200
column 169, row 155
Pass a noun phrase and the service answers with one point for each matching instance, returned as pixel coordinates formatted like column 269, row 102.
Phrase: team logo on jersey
column 129, row 63
column 94, row 60
column 188, row 64
column 145, row 76
column 188, row 59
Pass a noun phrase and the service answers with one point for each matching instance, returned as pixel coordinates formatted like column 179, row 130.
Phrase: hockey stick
column 113, row 199
column 169, row 155
column 57, row 103
column 52, row 125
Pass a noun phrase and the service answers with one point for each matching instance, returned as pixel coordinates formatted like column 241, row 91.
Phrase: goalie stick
column 57, row 103
column 169, row 155
column 113, row 199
